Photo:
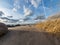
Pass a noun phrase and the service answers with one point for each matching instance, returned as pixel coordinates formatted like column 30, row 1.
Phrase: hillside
column 54, row 16
column 52, row 26
column 28, row 35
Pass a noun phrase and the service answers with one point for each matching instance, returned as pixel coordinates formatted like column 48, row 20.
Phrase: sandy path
column 26, row 38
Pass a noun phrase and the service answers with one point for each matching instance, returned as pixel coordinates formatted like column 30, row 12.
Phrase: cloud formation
column 1, row 13
column 27, row 11
column 40, row 17
column 14, row 9
column 8, row 20
column 26, row 19
column 10, row 16
column 5, row 18
column 35, row 3
column 16, row 5
column 13, row 20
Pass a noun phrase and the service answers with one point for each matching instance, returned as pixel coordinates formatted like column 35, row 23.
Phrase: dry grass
column 23, row 28
column 52, row 26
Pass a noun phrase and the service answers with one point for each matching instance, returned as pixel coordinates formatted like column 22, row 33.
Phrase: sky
column 27, row 11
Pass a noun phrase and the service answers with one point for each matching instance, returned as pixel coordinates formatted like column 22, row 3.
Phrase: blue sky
column 26, row 11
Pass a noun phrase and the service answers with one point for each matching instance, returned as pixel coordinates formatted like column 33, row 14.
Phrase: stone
column 3, row 29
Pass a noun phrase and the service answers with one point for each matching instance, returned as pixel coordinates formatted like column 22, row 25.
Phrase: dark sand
column 18, row 37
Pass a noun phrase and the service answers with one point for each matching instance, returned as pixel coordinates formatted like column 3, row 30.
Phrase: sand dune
column 26, row 37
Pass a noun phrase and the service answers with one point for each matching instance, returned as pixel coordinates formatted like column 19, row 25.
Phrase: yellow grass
column 52, row 26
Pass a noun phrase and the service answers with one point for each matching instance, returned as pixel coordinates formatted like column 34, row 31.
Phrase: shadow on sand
column 14, row 37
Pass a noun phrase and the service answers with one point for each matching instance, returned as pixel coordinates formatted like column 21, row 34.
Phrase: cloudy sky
column 27, row 11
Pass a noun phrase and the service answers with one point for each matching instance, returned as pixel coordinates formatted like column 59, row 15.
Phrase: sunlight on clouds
column 16, row 7
column 1, row 20
column 27, row 11
column 9, row 12
column 35, row 3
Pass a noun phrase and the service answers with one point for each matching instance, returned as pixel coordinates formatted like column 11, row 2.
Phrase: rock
column 3, row 29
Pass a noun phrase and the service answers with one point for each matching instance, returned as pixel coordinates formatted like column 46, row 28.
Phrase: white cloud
column 16, row 5
column 5, row 11
column 9, row 12
column 14, row 9
column 35, row 3
column 1, row 20
column 27, row 11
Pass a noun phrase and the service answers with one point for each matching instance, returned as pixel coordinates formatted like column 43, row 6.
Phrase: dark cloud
column 27, row 18
column 1, row 13
column 9, row 16
column 5, row 18
column 13, row 20
column 8, row 20
column 41, row 17
column 38, row 17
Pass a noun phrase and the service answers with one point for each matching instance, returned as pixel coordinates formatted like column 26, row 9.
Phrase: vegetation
column 55, row 16
column 52, row 26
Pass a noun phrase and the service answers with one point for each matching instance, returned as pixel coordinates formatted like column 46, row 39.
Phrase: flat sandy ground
column 28, row 35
